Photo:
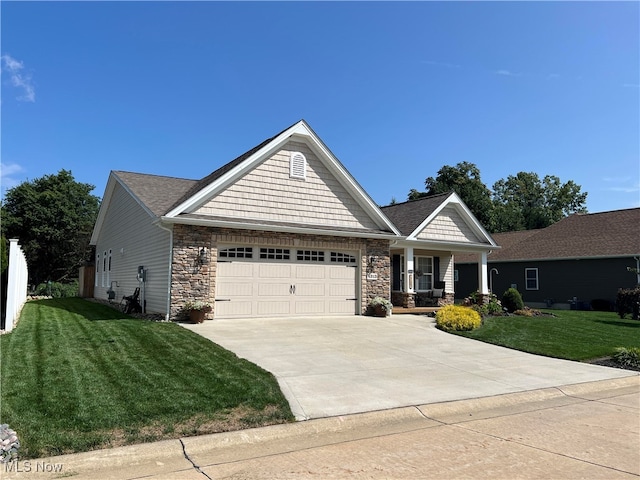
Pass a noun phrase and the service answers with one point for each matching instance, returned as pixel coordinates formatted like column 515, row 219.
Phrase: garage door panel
column 310, row 307
column 344, row 289
column 274, row 270
column 310, row 290
column 279, row 289
column 315, row 272
column 344, row 307
column 272, row 308
column 233, row 309
column 347, row 273
column 234, row 288
column 235, row 269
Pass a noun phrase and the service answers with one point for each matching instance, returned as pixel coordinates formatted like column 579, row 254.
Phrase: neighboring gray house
column 581, row 258
column 282, row 230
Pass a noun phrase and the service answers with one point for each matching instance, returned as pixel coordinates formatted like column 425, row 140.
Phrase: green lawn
column 571, row 334
column 77, row 376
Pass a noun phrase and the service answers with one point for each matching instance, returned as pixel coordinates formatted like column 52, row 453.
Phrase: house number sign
column 372, row 276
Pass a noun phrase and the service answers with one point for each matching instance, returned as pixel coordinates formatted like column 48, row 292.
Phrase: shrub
column 512, row 300
column 627, row 301
column 57, row 290
column 601, row 305
column 454, row 317
column 627, row 357
column 493, row 306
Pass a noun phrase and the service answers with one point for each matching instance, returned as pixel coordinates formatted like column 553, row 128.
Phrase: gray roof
column 409, row 215
column 156, row 192
column 162, row 194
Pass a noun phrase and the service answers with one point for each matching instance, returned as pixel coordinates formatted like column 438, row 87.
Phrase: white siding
column 269, row 193
column 449, row 225
column 446, row 271
column 127, row 231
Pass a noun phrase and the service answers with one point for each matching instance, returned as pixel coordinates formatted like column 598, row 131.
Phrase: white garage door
column 273, row 282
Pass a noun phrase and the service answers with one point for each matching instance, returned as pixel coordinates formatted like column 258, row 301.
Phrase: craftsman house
column 282, row 230
column 579, row 262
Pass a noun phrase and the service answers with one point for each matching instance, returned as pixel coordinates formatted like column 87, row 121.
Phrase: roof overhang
column 444, row 245
column 455, row 201
column 298, row 132
column 557, row 259
column 262, row 226
column 106, row 200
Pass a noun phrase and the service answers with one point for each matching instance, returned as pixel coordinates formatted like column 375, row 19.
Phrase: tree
column 521, row 202
column 4, row 255
column 464, row 179
column 524, row 202
column 53, row 217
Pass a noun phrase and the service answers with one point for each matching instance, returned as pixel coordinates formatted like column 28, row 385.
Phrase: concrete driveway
column 343, row 365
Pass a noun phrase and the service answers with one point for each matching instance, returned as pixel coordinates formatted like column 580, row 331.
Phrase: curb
column 181, row 455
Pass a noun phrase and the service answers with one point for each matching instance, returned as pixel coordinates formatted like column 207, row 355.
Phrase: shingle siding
column 450, row 226
column 268, row 193
column 127, row 231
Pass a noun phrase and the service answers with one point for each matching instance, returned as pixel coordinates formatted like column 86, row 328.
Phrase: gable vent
column 297, row 166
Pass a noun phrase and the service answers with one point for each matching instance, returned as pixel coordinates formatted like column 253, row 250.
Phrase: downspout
column 170, row 230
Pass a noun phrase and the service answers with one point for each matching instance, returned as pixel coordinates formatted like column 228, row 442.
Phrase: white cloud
column 629, row 189
column 19, row 79
column 507, row 73
column 7, row 175
column 617, row 179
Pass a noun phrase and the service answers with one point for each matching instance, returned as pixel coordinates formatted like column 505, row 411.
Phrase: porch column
column 408, row 268
column 483, row 277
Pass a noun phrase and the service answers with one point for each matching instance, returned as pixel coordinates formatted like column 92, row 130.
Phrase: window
column 104, row 267
column 456, row 276
column 236, row 252
column 275, row 253
column 97, row 268
column 310, row 256
column 337, row 257
column 109, row 269
column 423, row 273
column 531, row 278
column 297, row 166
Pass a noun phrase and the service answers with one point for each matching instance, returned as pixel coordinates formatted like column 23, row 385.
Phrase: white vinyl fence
column 17, row 284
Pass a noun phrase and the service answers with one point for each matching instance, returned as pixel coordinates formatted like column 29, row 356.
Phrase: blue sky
column 395, row 90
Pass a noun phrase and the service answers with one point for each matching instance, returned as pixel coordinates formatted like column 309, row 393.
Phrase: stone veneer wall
column 189, row 280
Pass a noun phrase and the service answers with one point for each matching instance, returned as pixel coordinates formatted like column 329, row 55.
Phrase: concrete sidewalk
column 587, row 430
column 344, row 365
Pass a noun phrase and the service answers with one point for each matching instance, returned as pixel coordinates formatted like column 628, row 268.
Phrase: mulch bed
column 608, row 362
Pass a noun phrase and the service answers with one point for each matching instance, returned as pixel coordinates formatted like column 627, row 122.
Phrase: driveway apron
column 333, row 366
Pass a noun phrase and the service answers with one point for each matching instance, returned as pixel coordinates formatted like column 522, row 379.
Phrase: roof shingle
column 408, row 216
column 605, row 234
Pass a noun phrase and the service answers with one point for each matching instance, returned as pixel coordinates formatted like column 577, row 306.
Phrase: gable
column 449, row 225
column 271, row 191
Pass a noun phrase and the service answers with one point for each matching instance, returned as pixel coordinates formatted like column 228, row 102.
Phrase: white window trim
column 97, row 272
column 527, row 278
column 298, row 166
column 415, row 277
column 104, row 267
column 109, row 269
